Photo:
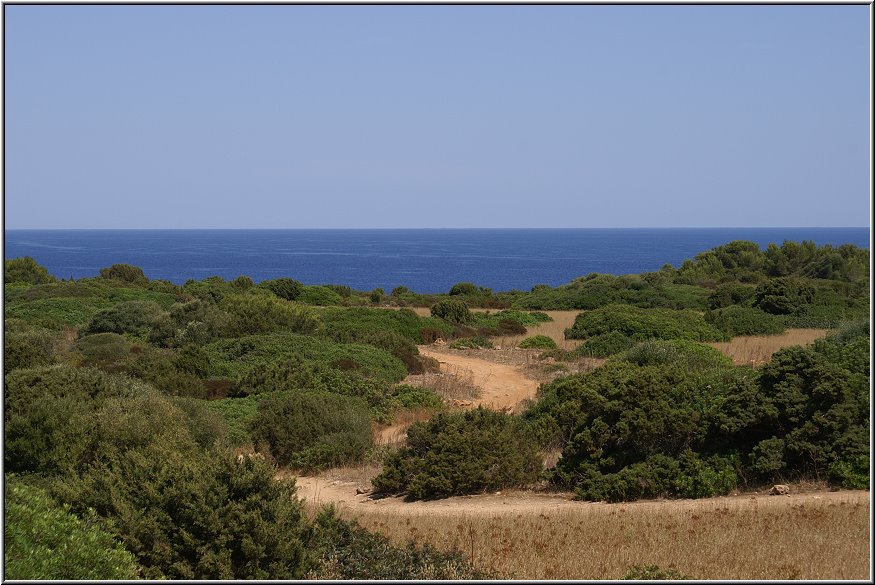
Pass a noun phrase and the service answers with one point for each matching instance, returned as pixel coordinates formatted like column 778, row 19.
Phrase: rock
column 779, row 490
column 439, row 341
column 359, row 490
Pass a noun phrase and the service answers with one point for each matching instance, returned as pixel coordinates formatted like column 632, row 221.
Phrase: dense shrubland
column 125, row 398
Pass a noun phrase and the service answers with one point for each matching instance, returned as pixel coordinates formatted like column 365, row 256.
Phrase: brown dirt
column 319, row 490
column 503, row 386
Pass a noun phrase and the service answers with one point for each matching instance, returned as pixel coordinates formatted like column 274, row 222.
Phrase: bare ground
column 339, row 489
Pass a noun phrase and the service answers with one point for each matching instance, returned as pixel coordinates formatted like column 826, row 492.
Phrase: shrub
column 102, row 348
column 689, row 354
column 251, row 314
column 211, row 289
column 58, row 313
column 466, row 288
column 133, row 317
column 43, row 540
column 460, row 453
column 537, row 342
column 355, row 323
column 44, row 409
column 605, row 345
column 25, row 270
column 452, row 310
column 125, row 273
column 735, row 320
column 406, row 396
column 476, row 342
column 320, row 296
column 632, row 431
column 242, row 283
column 377, row 295
column 731, row 293
column 345, row 550
column 782, row 296
column 312, row 430
column 28, row 347
column 285, row 288
column 237, row 358
column 640, row 324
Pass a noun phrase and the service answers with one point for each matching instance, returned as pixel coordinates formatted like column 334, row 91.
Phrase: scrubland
column 158, row 424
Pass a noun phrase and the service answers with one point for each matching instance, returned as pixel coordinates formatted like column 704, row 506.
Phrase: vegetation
column 640, row 324
column 312, row 430
column 126, row 397
column 538, row 342
column 44, row 540
column 460, row 453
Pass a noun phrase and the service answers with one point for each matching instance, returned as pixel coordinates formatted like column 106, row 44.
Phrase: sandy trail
column 504, row 386
column 317, row 491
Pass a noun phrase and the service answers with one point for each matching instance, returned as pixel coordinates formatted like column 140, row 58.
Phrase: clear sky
column 436, row 116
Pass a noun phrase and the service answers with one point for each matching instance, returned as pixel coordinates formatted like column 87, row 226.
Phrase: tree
column 125, row 273
column 26, row 270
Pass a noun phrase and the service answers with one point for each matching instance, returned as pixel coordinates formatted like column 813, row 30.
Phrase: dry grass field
column 755, row 350
column 815, row 536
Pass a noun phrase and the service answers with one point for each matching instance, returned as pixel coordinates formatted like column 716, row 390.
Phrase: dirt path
column 503, row 386
column 322, row 490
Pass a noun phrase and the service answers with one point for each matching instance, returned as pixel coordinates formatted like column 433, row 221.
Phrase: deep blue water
column 424, row 260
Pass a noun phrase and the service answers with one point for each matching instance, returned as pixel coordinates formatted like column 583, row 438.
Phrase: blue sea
column 424, row 260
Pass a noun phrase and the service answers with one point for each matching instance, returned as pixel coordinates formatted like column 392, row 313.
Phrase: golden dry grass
column 744, row 537
column 755, row 350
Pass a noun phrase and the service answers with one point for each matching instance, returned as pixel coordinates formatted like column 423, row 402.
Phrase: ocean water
column 424, row 260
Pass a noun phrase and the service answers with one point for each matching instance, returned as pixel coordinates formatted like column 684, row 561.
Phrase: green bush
column 731, row 293
column 237, row 414
column 59, row 312
column 43, row 540
column 464, row 288
column 460, row 453
column 125, row 273
column 118, row 447
column 242, row 282
column 285, row 288
column 43, row 408
column 538, row 342
column 406, row 396
column 251, row 314
column 27, row 347
column 597, row 290
column 783, row 296
column 605, row 345
column 135, row 317
column 477, row 342
column 211, row 289
column 308, row 430
column 689, row 354
column 237, row 358
column 320, row 296
column 641, row 324
column 102, row 348
column 736, row 320
column 348, row 324
column 452, row 311
column 26, row 270
column 345, row 550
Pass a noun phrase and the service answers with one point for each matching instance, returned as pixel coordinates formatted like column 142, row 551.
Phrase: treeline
column 126, row 400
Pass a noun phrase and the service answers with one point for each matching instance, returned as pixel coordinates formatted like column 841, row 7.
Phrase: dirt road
column 325, row 489
column 503, row 386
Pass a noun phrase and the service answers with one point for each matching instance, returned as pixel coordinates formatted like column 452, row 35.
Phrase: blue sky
column 436, row 116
